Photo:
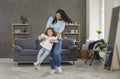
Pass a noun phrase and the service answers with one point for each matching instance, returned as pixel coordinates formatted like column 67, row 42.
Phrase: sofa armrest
column 18, row 48
column 72, row 48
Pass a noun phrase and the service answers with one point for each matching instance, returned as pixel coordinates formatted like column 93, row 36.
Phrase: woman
column 58, row 24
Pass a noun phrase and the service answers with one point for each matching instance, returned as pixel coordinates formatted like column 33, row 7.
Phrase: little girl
column 48, row 38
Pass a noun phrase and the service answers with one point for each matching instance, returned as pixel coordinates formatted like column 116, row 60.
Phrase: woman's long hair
column 54, row 33
column 63, row 15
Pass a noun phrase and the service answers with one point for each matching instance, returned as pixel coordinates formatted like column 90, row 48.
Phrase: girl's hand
column 44, row 38
column 39, row 37
column 51, row 41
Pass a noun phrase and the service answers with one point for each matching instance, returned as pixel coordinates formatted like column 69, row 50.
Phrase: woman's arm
column 54, row 40
column 60, row 30
column 58, row 34
column 45, row 29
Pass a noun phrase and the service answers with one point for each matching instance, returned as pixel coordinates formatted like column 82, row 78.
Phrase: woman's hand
column 53, row 41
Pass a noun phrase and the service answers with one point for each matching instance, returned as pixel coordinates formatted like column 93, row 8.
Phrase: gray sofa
column 26, row 50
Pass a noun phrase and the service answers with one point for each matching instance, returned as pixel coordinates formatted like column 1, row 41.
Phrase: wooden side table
column 84, row 53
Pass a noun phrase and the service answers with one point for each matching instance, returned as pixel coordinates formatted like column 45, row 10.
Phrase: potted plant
column 23, row 19
column 102, row 44
column 98, row 32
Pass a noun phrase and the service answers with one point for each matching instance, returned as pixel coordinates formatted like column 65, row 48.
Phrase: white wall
column 109, row 4
column 93, row 18
column 108, row 12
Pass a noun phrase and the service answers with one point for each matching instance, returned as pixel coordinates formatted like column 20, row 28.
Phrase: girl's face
column 49, row 32
column 58, row 16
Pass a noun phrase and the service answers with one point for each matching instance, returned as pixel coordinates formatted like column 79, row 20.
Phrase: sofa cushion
column 18, row 48
column 26, row 43
column 67, row 42
column 66, row 52
column 38, row 44
column 28, row 52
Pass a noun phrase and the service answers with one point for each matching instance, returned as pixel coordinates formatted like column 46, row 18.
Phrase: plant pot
column 84, row 54
column 23, row 22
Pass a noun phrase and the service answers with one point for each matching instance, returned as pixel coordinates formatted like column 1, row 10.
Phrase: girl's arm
column 44, row 32
column 54, row 40
column 39, row 38
column 42, row 37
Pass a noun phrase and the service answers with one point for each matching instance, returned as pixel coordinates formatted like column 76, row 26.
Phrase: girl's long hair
column 54, row 33
column 64, row 16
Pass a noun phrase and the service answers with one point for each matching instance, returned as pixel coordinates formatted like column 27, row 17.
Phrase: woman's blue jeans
column 55, row 53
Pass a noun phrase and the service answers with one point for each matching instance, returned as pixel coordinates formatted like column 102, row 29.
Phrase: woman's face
column 58, row 16
column 49, row 32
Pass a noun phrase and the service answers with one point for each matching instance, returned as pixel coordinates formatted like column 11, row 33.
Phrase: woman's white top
column 58, row 27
